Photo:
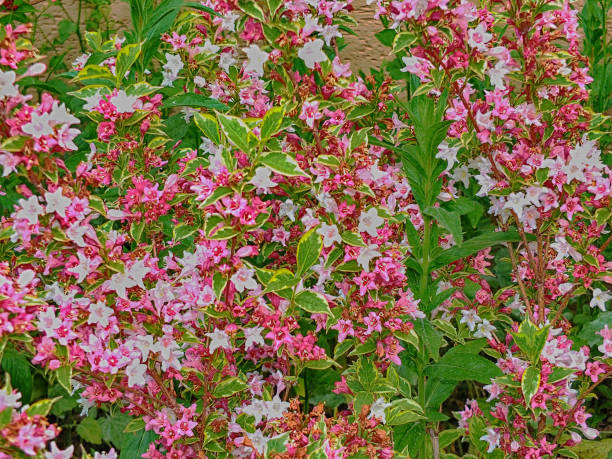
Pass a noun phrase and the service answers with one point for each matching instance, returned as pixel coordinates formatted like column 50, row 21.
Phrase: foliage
column 219, row 241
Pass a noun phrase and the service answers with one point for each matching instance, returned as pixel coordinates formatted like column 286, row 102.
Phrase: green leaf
column 18, row 367
column 312, row 302
column 229, row 387
column 219, row 283
column 403, row 40
column 113, row 428
column 137, row 444
column 64, row 374
column 589, row 330
column 5, row 417
column 219, row 193
column 566, row 452
column 360, row 111
column 308, row 251
column 126, row 57
column 598, row 449
column 95, row 72
column 271, row 122
column 367, row 374
column 277, row 444
column 182, row 231
column 449, row 436
column 282, row 279
column 236, row 131
column 429, row 336
column 136, row 230
column 449, row 220
column 464, row 367
column 559, row 374
column 352, row 239
column 472, row 246
column 252, row 9
column 283, row 164
column 531, row 340
column 530, row 382
column 42, row 407
column 319, row 364
column 209, row 126
column 134, row 425
column 386, row 36
column 195, row 100
column 90, row 431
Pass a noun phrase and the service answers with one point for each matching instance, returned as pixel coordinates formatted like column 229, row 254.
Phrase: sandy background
column 363, row 50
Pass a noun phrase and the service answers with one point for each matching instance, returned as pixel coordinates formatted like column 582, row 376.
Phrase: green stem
column 425, row 258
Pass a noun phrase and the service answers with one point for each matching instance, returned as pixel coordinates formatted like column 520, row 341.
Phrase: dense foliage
column 219, row 240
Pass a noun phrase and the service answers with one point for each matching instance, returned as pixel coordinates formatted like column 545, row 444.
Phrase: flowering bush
column 233, row 245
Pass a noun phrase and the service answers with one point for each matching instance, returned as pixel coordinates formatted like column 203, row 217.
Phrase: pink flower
column 310, row 113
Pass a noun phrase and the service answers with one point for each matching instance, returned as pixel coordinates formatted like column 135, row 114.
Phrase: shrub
column 231, row 244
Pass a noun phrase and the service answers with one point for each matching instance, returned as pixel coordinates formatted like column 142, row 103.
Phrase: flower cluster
column 250, row 250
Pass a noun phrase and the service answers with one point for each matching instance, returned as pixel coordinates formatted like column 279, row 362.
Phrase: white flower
column 7, row 84
column 492, row 438
column 516, row 202
column 199, row 81
column 229, row 21
column 369, row 221
column 30, row 210
column 92, row 102
column 256, row 59
column 599, row 299
column 262, row 180
column 80, row 61
column 448, row 153
column 470, row 318
column 329, row 32
column 312, row 53
column 26, row 277
column 218, row 339
column 83, row 269
column 564, row 248
column 56, row 453
column 38, row 126
column 99, row 313
column 57, row 202
column 366, row 254
column 484, row 330
column 9, row 400
column 276, row 408
column 583, row 155
column 76, row 232
column 47, row 321
column 461, row 174
column 253, row 336
column 9, row 163
column 243, row 279
column 135, row 372
column 134, row 276
column 112, row 454
column 377, row 410
column 60, row 115
column 479, row 37
column 257, row 409
column 259, row 441
column 123, row 102
column 329, row 233
column 497, row 74
column 226, row 60
column 287, row 209
column 209, row 47
column 171, row 68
